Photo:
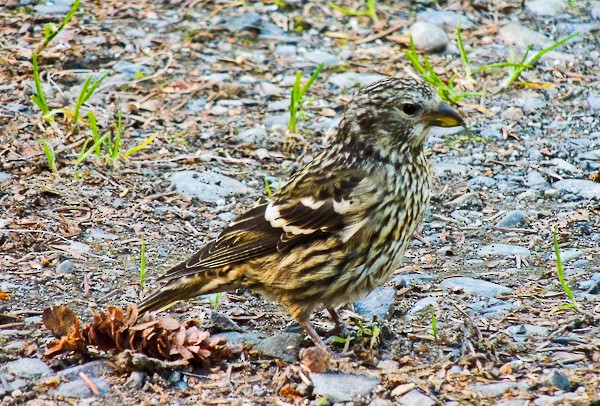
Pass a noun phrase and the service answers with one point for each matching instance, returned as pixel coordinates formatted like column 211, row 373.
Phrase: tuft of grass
column 446, row 91
column 561, row 276
column 108, row 146
column 143, row 267
column 371, row 10
column 374, row 331
column 463, row 53
column 267, row 187
column 50, row 155
column 434, row 326
column 214, row 300
column 50, row 31
column 88, row 89
column 39, row 98
column 527, row 61
column 297, row 96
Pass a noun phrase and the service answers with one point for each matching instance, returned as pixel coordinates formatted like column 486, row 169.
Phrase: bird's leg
column 338, row 329
column 315, row 337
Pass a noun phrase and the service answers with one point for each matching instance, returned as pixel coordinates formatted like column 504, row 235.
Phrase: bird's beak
column 443, row 116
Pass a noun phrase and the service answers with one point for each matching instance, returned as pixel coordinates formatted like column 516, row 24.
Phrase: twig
column 381, row 33
column 89, row 383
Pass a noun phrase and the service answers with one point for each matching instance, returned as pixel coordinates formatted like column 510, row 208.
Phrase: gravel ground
column 211, row 80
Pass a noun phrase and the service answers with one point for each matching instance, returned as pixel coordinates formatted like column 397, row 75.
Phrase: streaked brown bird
column 339, row 227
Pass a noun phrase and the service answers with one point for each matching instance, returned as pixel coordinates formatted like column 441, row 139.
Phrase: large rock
column 208, row 186
column 475, row 286
column 343, row 387
column 517, row 34
column 428, row 37
column 582, row 187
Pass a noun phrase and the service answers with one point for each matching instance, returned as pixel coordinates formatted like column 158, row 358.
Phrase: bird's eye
column 410, row 109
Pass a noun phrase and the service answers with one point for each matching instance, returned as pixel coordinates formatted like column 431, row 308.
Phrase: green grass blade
column 463, row 53
column 143, row 268
column 95, row 132
column 50, row 155
column 313, row 77
column 39, row 98
column 49, row 33
column 560, row 270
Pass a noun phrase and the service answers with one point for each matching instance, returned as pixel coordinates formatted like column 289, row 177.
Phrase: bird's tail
column 184, row 288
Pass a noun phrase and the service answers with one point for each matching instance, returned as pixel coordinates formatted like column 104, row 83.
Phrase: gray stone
column 512, row 219
column 244, row 21
column 80, row 390
column 562, row 165
column 208, row 186
column 343, row 387
column 317, row 56
column 502, row 250
column 5, row 176
column 269, row 89
column 407, row 280
column 381, row 402
column 99, row 234
column 594, row 101
column 446, row 19
column 136, row 380
column 65, row 267
column 281, row 345
column 415, row 398
column 7, row 387
column 548, row 8
column 428, row 37
column 234, row 337
column 563, row 399
column 534, row 178
column 449, row 168
column 79, row 247
column 277, row 120
column 222, row 322
column 582, row 187
column 195, row 106
column 479, row 181
column 475, row 286
column 492, row 308
column 593, row 155
column 517, row 34
column 350, row 79
column 27, row 368
column 423, row 304
column 522, row 331
column 559, row 381
column 59, row 7
column 493, row 390
column 92, row 369
column 278, row 105
column 530, row 102
column 568, row 255
column 378, row 304
column 254, row 135
column 513, row 402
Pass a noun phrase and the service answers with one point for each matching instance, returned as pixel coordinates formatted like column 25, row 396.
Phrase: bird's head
column 396, row 114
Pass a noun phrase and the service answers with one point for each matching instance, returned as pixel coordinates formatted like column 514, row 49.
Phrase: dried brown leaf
column 59, row 319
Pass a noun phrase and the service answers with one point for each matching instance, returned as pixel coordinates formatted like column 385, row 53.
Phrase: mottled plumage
column 340, row 226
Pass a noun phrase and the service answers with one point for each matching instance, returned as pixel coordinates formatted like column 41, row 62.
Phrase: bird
column 339, row 227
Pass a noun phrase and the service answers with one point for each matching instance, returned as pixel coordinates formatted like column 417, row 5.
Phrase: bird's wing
column 309, row 208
